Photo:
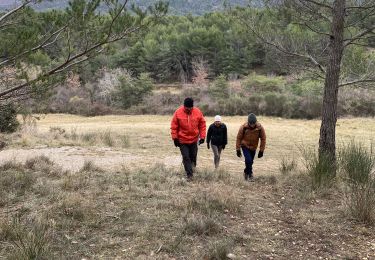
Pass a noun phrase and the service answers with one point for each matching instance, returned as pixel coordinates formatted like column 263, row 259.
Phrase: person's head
column 217, row 120
column 251, row 120
column 188, row 104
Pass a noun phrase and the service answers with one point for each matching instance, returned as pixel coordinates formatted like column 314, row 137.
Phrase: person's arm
column 225, row 135
column 239, row 138
column 209, row 134
column 262, row 139
column 174, row 127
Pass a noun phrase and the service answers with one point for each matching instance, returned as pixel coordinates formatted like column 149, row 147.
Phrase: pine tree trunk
column 327, row 140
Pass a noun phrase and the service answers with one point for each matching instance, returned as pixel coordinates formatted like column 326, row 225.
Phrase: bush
column 8, row 119
column 357, row 165
column 219, row 88
column 275, row 104
column 320, row 169
column 356, row 102
column 304, row 87
column 261, row 83
column 132, row 90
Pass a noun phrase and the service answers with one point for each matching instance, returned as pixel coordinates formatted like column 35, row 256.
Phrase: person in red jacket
column 188, row 127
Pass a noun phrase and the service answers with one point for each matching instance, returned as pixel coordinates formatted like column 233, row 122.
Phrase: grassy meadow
column 138, row 141
column 112, row 187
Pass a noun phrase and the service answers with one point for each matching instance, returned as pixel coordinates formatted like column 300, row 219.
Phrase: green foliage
column 307, row 87
column 261, row 83
column 8, row 119
column 219, row 89
column 358, row 60
column 132, row 90
column 357, row 164
column 54, row 42
column 320, row 168
column 167, row 51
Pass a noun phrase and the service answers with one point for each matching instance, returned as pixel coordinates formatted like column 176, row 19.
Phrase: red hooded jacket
column 187, row 128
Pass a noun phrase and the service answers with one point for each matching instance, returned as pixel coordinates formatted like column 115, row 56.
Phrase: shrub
column 261, row 83
column 219, row 88
column 320, row 169
column 357, row 165
column 275, row 104
column 305, row 87
column 132, row 90
column 8, row 119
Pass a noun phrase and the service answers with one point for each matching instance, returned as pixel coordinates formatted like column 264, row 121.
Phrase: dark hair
column 188, row 102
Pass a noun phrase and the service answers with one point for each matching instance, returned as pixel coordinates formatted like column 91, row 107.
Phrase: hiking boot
column 189, row 178
column 251, row 178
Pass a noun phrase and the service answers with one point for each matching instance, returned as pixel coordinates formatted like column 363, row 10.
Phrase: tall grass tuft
column 357, row 164
column 320, row 168
column 89, row 166
column 201, row 226
column 107, row 138
column 28, row 241
column 219, row 250
column 287, row 165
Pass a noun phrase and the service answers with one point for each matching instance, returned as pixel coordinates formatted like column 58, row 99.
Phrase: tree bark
column 327, row 140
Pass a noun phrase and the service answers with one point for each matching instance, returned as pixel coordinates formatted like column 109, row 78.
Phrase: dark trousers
column 249, row 160
column 217, row 152
column 189, row 157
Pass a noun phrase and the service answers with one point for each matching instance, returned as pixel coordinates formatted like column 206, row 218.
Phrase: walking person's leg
column 220, row 148
column 185, row 152
column 249, row 160
column 193, row 152
column 215, row 150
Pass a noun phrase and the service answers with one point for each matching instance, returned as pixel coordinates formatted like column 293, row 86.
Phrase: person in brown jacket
column 247, row 139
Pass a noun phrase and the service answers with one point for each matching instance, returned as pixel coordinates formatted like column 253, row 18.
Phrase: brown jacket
column 249, row 137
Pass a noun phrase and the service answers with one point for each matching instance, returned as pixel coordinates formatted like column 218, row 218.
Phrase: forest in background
column 215, row 58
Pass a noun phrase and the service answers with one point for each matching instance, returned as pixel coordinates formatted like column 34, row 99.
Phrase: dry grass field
column 112, row 187
column 137, row 141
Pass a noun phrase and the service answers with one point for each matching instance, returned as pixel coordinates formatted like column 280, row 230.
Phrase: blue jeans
column 249, row 160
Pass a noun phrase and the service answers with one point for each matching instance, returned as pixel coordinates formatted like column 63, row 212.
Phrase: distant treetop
column 177, row 7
